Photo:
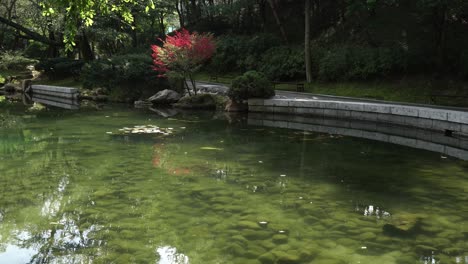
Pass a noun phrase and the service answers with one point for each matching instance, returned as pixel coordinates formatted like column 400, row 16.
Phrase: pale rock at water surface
column 142, row 104
column 165, row 97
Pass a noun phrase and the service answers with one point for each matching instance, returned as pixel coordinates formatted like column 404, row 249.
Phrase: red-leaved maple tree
column 184, row 53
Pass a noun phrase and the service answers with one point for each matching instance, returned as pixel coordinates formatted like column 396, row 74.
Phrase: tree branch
column 32, row 35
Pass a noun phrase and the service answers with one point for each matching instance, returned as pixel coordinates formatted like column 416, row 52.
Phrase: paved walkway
column 280, row 94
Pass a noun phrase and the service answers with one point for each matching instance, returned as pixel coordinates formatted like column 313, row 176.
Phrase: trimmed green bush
column 251, row 84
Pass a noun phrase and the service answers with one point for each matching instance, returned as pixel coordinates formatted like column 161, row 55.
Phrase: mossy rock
column 248, row 225
column 287, row 257
column 367, row 236
column 267, row 258
column 256, row 234
column 199, row 101
column 280, row 238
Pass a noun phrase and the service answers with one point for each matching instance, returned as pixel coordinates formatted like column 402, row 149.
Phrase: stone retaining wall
column 401, row 135
column 55, row 91
column 437, row 119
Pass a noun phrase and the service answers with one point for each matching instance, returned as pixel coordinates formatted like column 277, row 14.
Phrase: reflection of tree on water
column 58, row 234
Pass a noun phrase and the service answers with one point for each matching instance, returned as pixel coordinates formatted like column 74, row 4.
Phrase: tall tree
column 308, row 58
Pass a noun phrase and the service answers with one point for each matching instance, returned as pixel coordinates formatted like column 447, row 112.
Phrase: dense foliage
column 12, row 60
column 351, row 39
column 133, row 70
column 251, row 84
column 58, row 68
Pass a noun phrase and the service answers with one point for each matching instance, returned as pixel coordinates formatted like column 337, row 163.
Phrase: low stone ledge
column 414, row 116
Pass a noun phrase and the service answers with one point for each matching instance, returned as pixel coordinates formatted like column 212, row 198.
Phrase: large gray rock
column 165, row 97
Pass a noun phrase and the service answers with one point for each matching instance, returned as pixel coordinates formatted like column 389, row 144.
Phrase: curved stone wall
column 437, row 119
column 401, row 135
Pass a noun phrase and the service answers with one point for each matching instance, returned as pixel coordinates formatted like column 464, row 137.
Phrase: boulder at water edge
column 165, row 97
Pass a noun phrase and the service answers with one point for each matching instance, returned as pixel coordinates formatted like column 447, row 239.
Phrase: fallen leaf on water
column 210, row 148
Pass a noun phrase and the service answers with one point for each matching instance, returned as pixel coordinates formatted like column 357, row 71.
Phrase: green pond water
column 219, row 191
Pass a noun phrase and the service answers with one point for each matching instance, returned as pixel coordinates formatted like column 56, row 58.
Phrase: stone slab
column 57, row 89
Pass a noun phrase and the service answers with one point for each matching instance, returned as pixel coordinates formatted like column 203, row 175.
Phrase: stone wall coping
column 57, row 89
column 427, row 112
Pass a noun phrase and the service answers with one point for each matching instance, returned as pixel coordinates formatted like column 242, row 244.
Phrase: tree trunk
column 308, row 59
column 180, row 13
column 162, row 27
column 85, row 48
column 278, row 21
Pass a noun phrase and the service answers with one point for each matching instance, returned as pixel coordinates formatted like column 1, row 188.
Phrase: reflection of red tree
column 158, row 150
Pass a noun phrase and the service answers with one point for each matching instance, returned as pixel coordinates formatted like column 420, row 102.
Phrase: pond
column 74, row 189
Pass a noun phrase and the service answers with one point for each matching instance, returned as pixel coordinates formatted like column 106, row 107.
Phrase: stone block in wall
column 283, row 110
column 456, row 152
column 364, row 116
column 369, row 126
column 276, row 102
column 334, row 123
column 389, row 118
column 304, row 103
column 444, row 125
column 433, row 114
column 458, row 117
column 328, row 104
column 464, row 128
column 256, row 101
column 410, row 142
column 421, row 144
column 351, row 106
column 309, row 111
column 377, row 108
column 423, row 123
column 463, row 144
column 255, row 108
column 337, row 113
column 404, row 110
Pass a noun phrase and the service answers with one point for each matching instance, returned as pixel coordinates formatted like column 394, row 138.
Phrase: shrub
column 240, row 53
column 36, row 50
column 360, row 63
column 283, row 63
column 199, row 101
column 13, row 60
column 133, row 70
column 58, row 68
column 250, row 85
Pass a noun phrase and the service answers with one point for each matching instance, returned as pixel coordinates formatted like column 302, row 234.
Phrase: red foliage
column 183, row 52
